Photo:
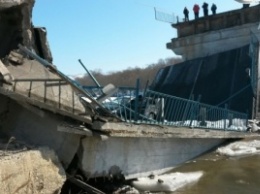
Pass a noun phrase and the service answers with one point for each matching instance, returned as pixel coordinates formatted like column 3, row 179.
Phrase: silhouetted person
column 246, row 5
column 186, row 14
column 213, row 9
column 196, row 9
column 205, row 9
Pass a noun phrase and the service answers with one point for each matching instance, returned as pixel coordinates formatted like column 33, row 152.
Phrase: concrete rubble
column 22, row 170
column 71, row 140
column 36, row 171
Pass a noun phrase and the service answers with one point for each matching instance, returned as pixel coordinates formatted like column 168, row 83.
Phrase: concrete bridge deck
column 153, row 131
column 121, row 129
column 41, row 107
column 40, row 89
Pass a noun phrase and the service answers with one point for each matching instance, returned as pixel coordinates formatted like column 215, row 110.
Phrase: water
column 223, row 174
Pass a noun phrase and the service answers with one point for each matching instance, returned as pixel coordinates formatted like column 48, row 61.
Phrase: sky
column 111, row 35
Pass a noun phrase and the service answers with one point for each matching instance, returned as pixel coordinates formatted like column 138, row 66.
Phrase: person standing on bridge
column 205, row 9
column 246, row 6
column 196, row 9
column 186, row 14
column 213, row 9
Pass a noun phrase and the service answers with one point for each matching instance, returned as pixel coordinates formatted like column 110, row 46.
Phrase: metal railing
column 162, row 109
column 165, row 17
column 44, row 84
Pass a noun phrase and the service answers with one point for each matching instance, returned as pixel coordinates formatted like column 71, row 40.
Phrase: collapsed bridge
column 42, row 107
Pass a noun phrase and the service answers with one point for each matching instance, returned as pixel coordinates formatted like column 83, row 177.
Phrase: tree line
column 128, row 77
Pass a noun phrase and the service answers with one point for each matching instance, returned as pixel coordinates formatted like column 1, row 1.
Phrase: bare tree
column 129, row 76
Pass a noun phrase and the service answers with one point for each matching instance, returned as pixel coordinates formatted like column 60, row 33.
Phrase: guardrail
column 165, row 17
column 162, row 109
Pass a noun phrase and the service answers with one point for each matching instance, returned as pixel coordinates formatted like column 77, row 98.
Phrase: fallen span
column 43, row 108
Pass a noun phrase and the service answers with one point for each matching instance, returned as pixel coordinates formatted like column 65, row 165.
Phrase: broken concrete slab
column 6, row 76
column 11, row 3
column 157, row 131
column 16, row 25
column 37, row 129
column 15, row 57
column 25, row 172
column 33, row 81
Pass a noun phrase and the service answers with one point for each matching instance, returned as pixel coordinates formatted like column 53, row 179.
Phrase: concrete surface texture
column 33, row 80
column 37, row 127
column 208, row 43
column 16, row 22
column 11, row 3
column 137, row 157
column 157, row 131
column 36, row 99
column 25, row 172
column 207, row 35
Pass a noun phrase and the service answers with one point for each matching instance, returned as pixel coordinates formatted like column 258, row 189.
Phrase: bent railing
column 162, row 109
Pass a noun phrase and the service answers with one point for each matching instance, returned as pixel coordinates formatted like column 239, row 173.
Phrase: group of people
column 196, row 9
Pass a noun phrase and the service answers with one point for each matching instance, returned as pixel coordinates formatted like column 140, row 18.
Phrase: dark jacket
column 186, row 11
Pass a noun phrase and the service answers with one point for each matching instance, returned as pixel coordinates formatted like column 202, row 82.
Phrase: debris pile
column 253, row 126
column 30, row 171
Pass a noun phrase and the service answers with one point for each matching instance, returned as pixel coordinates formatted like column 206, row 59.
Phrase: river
column 223, row 174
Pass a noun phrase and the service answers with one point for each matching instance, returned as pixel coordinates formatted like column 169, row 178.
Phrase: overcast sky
column 111, row 35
